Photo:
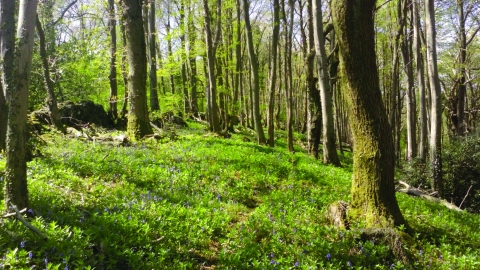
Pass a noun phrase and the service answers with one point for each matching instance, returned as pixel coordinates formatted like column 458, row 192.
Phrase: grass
column 201, row 202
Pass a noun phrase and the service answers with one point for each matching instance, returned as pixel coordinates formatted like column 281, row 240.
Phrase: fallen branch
column 419, row 193
column 468, row 191
column 18, row 215
column 156, row 127
column 14, row 214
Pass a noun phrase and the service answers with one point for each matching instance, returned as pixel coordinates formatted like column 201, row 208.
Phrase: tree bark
column 169, row 48
column 462, row 87
column 212, row 85
column 255, row 76
column 373, row 198
column 273, row 73
column 112, row 77
column 329, row 150
column 138, row 124
column 186, row 103
column 420, row 82
column 436, row 99
column 16, row 191
column 7, row 53
column 193, row 65
column 49, row 85
column 123, row 111
column 154, row 106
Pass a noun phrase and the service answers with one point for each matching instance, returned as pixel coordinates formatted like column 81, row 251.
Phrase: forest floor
column 196, row 201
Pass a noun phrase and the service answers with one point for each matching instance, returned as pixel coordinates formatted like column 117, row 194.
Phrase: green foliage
column 202, row 201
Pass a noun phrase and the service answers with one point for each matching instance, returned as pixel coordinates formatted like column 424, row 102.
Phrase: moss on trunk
column 373, row 200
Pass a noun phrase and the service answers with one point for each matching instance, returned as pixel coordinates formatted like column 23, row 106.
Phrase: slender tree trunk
column 329, row 150
column 16, row 191
column 288, row 71
column 211, row 50
column 410, row 97
column 420, row 82
column 123, row 111
column 154, row 105
column 315, row 104
column 186, row 103
column 7, row 53
column 138, row 122
column 169, row 48
column 255, row 76
column 238, row 55
column 373, row 198
column 193, row 64
column 112, row 77
column 273, row 73
column 462, row 87
column 436, row 100
column 3, row 117
column 49, row 85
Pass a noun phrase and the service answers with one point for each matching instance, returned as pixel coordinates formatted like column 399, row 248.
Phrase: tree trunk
column 420, row 82
column 112, row 77
column 16, row 191
column 462, row 87
column 186, row 103
column 49, row 85
column 211, row 50
column 329, row 150
column 436, row 99
column 193, row 64
column 123, row 111
column 315, row 104
column 273, row 73
column 411, row 98
column 288, row 71
column 154, row 106
column 138, row 124
column 373, row 198
column 255, row 76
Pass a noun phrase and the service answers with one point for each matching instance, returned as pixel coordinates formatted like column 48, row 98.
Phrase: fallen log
column 419, row 193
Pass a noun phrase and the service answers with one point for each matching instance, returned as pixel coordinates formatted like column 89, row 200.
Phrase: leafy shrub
column 461, row 171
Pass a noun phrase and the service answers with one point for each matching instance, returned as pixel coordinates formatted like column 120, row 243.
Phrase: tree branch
column 63, row 13
column 18, row 215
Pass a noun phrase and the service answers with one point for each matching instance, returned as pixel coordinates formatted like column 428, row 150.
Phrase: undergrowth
column 202, row 202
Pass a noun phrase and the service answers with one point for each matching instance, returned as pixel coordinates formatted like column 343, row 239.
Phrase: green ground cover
column 201, row 202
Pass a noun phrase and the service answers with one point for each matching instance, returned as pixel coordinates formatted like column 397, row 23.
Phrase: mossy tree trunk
column 16, row 191
column 138, row 122
column 3, row 118
column 273, row 73
column 373, row 200
column 154, row 105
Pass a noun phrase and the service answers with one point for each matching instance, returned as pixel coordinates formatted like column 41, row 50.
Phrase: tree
column 435, row 99
column 112, row 77
column 211, row 50
column 49, row 85
column 138, row 124
column 256, row 82
column 420, row 82
column 154, row 106
column 7, row 45
column 329, row 150
column 373, row 198
column 16, row 191
column 273, row 72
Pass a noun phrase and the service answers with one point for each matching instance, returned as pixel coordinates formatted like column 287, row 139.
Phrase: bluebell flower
column 349, row 264
column 297, row 264
column 328, row 256
column 30, row 211
column 30, row 255
column 46, row 261
column 392, row 266
column 421, row 252
column 22, row 244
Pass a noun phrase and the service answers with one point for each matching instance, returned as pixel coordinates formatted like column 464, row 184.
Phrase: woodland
column 239, row 134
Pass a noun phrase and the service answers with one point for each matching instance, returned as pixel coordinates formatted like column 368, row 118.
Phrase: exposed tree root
column 419, row 193
column 395, row 239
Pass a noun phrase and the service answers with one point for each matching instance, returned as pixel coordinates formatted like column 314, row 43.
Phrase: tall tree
column 273, row 72
column 211, row 51
column 192, row 36
column 138, row 124
column 7, row 47
column 49, row 85
column 329, row 150
column 154, row 106
column 112, row 76
column 373, row 198
column 435, row 99
column 420, row 82
column 255, row 76
column 16, row 191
